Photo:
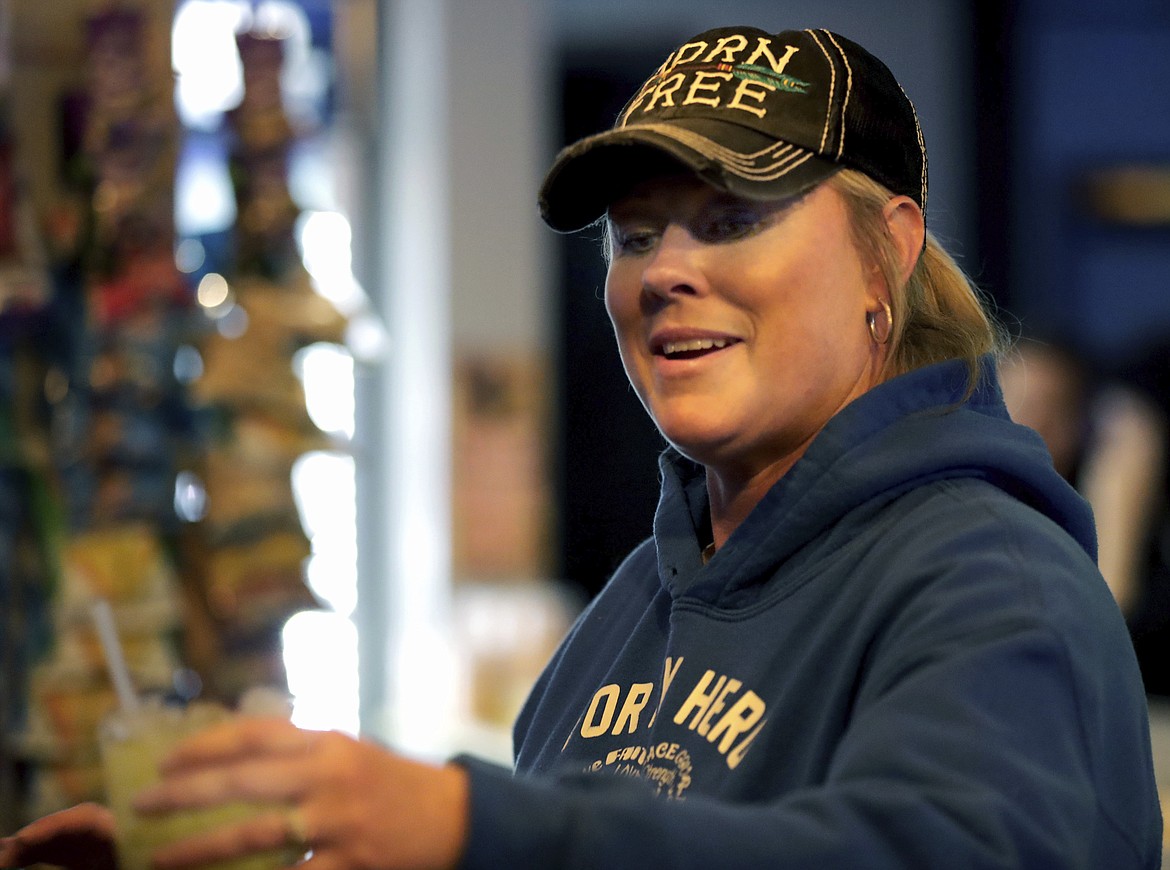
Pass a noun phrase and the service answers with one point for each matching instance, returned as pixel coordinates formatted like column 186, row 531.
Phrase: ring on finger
column 297, row 830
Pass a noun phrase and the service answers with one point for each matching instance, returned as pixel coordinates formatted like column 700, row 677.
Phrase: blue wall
column 1091, row 89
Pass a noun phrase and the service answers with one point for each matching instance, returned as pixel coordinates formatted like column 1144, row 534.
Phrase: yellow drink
column 133, row 746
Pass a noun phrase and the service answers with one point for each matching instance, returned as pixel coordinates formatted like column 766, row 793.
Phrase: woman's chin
column 701, row 443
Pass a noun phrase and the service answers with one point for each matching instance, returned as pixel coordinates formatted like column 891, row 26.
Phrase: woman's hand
column 351, row 803
column 80, row 838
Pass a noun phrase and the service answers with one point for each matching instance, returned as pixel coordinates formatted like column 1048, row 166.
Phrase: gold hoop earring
column 871, row 321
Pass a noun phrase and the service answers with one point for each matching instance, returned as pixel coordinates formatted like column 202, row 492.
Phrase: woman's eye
column 634, row 241
column 727, row 226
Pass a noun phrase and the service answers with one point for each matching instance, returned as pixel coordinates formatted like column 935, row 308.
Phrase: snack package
column 123, row 564
column 255, row 585
column 242, row 492
column 252, row 372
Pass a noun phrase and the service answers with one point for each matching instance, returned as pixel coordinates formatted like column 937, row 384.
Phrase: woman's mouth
column 691, row 347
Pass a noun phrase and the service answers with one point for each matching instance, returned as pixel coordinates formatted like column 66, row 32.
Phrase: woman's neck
column 733, row 496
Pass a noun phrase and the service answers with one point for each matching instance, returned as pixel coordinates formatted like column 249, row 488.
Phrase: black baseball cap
column 761, row 115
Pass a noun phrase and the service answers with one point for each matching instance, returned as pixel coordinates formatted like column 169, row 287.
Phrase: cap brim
column 589, row 175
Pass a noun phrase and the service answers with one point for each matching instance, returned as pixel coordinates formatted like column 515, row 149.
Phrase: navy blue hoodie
column 904, row 657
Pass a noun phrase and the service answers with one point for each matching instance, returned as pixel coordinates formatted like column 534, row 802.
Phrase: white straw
column 103, row 618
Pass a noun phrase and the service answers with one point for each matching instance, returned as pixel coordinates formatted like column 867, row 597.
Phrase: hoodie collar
column 861, row 457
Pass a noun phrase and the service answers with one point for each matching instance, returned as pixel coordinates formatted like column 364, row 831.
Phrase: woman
column 868, row 630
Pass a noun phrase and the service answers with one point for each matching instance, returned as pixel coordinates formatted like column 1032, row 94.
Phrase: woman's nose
column 673, row 267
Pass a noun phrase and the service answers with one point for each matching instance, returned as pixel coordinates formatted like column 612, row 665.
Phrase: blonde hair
column 938, row 313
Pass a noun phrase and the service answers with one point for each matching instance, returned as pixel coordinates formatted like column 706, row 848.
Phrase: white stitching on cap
column 848, row 90
column 832, row 88
column 781, row 157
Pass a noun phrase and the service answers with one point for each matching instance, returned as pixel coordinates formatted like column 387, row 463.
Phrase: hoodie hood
column 913, row 430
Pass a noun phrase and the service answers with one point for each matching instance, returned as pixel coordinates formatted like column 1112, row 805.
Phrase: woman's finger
column 259, row 780
column 242, row 737
column 274, row 831
column 324, row 860
column 81, row 836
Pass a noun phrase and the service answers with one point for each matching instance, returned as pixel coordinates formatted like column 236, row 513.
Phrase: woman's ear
column 907, row 228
